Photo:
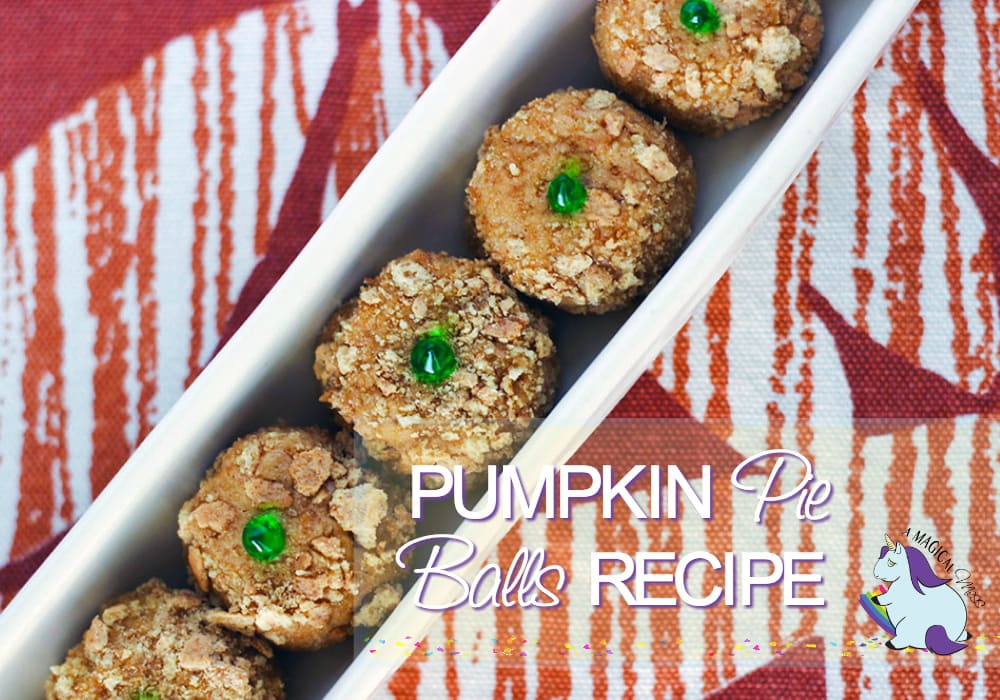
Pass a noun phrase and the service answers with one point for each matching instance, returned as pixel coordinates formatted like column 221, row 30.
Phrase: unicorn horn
column 889, row 543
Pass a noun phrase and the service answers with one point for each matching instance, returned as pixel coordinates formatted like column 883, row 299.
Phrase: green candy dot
column 700, row 16
column 567, row 195
column 146, row 695
column 264, row 537
column 432, row 358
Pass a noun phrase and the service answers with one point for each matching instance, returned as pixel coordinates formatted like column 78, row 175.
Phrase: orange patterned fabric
column 160, row 166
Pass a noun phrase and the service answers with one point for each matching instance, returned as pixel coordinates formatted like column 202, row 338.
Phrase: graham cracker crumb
column 197, row 653
column 377, row 608
column 96, row 637
column 268, row 493
column 309, row 470
column 659, row 58
column 273, row 465
column 360, row 510
column 657, row 163
column 215, row 516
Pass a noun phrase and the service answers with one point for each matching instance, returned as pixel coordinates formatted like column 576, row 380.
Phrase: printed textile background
column 160, row 165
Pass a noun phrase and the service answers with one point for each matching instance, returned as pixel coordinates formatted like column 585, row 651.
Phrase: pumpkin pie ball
column 160, row 643
column 437, row 361
column 582, row 200
column 295, row 539
column 708, row 65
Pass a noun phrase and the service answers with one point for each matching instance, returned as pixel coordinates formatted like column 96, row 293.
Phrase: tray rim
column 796, row 140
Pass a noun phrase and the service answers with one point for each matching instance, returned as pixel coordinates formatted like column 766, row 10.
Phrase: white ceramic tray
column 411, row 195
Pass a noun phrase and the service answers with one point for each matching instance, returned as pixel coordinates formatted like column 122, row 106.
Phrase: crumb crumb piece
column 378, row 606
column 197, row 653
column 310, row 469
column 359, row 510
column 766, row 79
column 269, row 619
column 273, row 465
column 613, row 123
column 346, row 357
column 196, row 562
column 504, row 329
column 310, row 588
column 264, row 492
column 214, row 515
column 602, row 207
column 233, row 621
column 657, row 163
column 329, row 547
column 651, row 17
column 692, row 81
column 419, row 307
column 114, row 613
column 600, row 99
column 779, row 46
column 573, row 265
column 96, row 637
column 409, row 276
column 594, row 282
column 659, row 57
column 303, row 562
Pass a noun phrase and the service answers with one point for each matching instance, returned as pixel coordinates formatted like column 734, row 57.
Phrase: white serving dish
column 411, row 195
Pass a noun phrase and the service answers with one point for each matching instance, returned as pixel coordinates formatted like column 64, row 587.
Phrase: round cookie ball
column 295, row 539
column 582, row 200
column 160, row 643
column 437, row 362
column 734, row 62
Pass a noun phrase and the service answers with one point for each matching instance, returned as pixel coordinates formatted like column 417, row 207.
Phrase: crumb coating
column 709, row 83
column 506, row 371
column 342, row 527
column 640, row 199
column 164, row 641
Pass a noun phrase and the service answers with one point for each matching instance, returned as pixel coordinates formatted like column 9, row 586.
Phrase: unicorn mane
column 921, row 573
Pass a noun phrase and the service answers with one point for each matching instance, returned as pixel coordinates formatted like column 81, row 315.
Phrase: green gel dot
column 432, row 358
column 146, row 695
column 700, row 16
column 264, row 537
column 567, row 195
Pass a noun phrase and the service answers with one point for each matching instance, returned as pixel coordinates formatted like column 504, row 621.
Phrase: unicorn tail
column 937, row 640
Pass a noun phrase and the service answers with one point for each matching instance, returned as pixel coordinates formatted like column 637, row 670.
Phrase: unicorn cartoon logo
column 915, row 605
